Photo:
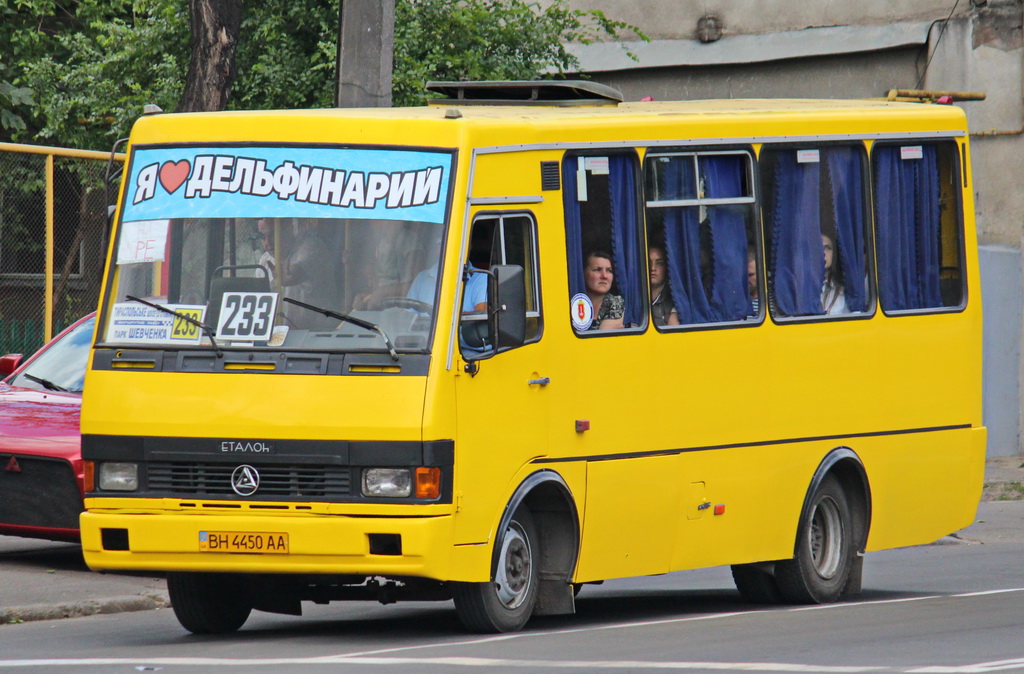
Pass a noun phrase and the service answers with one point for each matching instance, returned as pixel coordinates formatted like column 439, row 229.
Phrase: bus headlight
column 116, row 476
column 387, row 482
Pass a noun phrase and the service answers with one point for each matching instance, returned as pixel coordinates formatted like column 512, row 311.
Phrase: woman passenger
column 833, row 298
column 663, row 311
column 598, row 276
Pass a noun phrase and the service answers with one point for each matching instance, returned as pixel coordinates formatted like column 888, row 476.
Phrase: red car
column 40, row 444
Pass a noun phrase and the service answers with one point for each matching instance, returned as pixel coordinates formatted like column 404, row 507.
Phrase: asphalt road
column 957, row 606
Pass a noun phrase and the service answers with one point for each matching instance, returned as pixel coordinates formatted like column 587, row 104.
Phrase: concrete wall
column 1001, row 269
column 670, row 19
column 859, row 75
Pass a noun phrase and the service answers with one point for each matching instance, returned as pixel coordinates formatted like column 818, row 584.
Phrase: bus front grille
column 214, row 479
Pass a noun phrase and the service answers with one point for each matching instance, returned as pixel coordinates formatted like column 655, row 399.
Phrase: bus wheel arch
column 541, row 520
column 831, row 534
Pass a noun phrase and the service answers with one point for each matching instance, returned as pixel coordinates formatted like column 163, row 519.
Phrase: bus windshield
column 296, row 248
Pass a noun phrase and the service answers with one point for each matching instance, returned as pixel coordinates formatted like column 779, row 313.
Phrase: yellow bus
column 530, row 337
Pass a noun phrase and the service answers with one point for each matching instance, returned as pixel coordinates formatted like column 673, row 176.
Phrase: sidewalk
column 40, row 580
column 1004, row 479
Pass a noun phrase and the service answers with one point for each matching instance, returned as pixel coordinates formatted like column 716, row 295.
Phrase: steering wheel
column 402, row 303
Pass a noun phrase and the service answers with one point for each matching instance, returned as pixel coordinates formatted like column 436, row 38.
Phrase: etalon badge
column 245, row 480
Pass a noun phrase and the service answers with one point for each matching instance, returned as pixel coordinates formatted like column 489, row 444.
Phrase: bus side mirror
column 506, row 302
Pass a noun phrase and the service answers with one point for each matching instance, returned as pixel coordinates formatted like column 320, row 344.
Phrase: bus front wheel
column 209, row 603
column 506, row 603
column 819, row 572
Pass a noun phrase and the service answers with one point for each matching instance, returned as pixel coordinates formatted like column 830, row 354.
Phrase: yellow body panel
column 679, row 422
column 247, row 405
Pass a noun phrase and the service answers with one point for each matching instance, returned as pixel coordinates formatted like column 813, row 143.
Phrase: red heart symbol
column 173, row 174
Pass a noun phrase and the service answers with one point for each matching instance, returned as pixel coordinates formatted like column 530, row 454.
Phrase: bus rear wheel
column 819, row 572
column 209, row 603
column 506, row 603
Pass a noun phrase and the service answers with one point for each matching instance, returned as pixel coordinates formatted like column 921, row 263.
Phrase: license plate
column 243, row 541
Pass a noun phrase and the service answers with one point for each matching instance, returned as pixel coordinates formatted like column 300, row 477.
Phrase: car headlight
column 115, row 476
column 387, row 482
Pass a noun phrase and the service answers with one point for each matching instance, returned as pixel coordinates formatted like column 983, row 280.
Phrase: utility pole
column 366, row 45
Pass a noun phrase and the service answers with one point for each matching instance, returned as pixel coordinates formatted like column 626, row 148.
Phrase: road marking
column 381, row 656
column 451, row 662
column 996, row 666
column 877, row 602
column 632, row 665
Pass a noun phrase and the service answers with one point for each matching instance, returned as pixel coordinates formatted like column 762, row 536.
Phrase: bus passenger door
column 500, row 396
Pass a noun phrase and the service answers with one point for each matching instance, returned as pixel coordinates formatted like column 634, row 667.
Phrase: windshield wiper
column 46, row 383
column 349, row 319
column 188, row 319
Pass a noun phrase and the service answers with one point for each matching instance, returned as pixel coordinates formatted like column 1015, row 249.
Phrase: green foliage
column 93, row 64
column 12, row 98
column 77, row 72
column 487, row 40
column 286, row 55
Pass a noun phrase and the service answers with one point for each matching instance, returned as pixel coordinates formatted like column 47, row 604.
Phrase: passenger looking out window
column 833, row 300
column 598, row 276
column 663, row 312
column 604, row 245
column 816, row 230
column 701, row 206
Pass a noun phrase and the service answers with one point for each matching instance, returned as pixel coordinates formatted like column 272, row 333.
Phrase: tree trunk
column 211, row 70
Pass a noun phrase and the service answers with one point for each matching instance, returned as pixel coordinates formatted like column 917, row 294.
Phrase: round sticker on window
column 582, row 311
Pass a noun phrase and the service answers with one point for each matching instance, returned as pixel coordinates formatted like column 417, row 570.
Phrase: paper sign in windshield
column 139, row 324
column 142, row 241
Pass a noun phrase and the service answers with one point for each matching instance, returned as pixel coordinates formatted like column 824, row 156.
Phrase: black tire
column 209, row 603
column 506, row 603
column 756, row 584
column 825, row 550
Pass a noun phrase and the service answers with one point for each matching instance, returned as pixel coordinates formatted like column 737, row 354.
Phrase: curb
column 34, row 612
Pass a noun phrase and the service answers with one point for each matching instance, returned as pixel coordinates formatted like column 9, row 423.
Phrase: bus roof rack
column 525, row 92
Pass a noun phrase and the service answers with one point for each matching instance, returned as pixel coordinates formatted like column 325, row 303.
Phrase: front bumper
column 318, row 544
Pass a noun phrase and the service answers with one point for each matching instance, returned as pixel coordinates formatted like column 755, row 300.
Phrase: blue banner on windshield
column 295, row 182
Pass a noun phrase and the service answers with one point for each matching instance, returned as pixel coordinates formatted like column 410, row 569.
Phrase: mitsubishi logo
column 12, row 466
column 245, row 480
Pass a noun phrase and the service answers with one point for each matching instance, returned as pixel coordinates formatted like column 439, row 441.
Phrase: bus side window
column 701, row 226
column 919, row 225
column 507, row 239
column 816, row 231
column 602, row 230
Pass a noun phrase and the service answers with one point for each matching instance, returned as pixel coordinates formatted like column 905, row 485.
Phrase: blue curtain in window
column 797, row 260
column 625, row 246
column 723, row 178
column 682, row 244
column 847, row 181
column 908, row 226
column 573, row 233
